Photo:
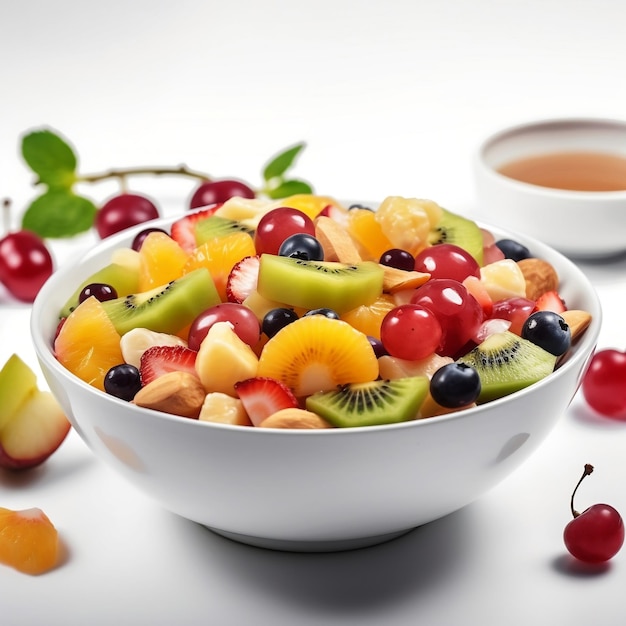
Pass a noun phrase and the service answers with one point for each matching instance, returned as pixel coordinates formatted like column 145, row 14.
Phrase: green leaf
column 59, row 213
column 282, row 162
column 289, row 188
column 50, row 157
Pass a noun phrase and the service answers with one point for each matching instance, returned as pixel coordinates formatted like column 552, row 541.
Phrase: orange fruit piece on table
column 29, row 541
column 88, row 344
column 219, row 255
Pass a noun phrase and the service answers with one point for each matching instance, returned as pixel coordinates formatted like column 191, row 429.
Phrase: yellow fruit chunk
column 18, row 382
column 219, row 255
column 368, row 317
column 503, row 279
column 29, row 541
column 310, row 204
column 261, row 305
column 224, row 409
column 367, row 231
column 88, row 344
column 407, row 222
column 161, row 260
column 316, row 353
column 248, row 211
column 224, row 359
column 392, row 367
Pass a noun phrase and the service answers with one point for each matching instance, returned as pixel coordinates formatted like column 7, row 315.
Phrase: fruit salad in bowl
column 306, row 374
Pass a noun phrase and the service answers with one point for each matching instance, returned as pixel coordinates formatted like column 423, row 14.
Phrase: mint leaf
column 51, row 158
column 59, row 213
column 282, row 162
column 288, row 188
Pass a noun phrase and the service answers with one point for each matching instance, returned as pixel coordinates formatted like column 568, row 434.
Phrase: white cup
column 580, row 224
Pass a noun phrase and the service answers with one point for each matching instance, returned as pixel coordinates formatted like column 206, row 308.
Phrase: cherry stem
column 122, row 173
column 588, row 469
column 6, row 215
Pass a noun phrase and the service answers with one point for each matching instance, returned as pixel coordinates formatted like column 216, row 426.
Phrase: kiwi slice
column 165, row 309
column 118, row 276
column 319, row 284
column 372, row 403
column 506, row 363
column 460, row 231
column 215, row 227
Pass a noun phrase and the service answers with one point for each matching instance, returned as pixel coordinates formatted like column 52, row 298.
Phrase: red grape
column 446, row 260
column 124, row 211
column 244, row 321
column 411, row 332
column 216, row 191
column 604, row 384
column 278, row 224
column 516, row 310
column 458, row 312
column 25, row 264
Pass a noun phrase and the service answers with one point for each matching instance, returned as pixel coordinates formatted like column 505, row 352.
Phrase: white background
column 392, row 98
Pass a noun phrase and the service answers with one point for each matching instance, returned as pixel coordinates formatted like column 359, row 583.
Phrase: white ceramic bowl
column 314, row 490
column 581, row 224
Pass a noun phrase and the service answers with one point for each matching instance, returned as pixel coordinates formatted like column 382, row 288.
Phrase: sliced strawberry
column 550, row 301
column 183, row 230
column 242, row 279
column 262, row 397
column 159, row 360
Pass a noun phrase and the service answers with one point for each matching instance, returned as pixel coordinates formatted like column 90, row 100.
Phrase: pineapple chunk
column 503, row 279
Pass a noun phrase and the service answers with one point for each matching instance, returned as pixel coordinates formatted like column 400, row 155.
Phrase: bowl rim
column 583, row 351
column 503, row 134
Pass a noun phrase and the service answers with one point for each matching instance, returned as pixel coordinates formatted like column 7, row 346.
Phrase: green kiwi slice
column 166, row 309
column 118, row 276
column 506, row 363
column 215, row 227
column 372, row 403
column 319, row 284
column 461, row 231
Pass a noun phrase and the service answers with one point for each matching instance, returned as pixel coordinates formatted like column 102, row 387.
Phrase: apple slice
column 32, row 423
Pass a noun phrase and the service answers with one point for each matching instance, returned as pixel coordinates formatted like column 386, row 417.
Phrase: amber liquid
column 576, row 171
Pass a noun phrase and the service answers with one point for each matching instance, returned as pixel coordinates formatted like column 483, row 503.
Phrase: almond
column 294, row 418
column 336, row 242
column 577, row 320
column 540, row 277
column 178, row 393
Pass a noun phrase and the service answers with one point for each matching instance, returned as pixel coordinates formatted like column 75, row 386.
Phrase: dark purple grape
column 549, row 331
column 455, row 385
column 277, row 319
column 140, row 237
column 100, row 291
column 513, row 249
column 216, row 191
column 122, row 381
column 377, row 346
column 400, row 259
column 302, row 246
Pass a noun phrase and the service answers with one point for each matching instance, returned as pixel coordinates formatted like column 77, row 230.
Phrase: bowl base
column 339, row 545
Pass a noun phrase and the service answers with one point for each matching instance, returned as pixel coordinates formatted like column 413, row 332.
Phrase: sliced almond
column 295, row 418
column 540, row 277
column 178, row 393
column 577, row 320
column 395, row 280
column 336, row 242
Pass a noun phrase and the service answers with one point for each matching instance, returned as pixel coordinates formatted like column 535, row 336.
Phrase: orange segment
column 368, row 233
column 161, row 261
column 368, row 317
column 28, row 541
column 310, row 204
column 88, row 344
column 219, row 255
column 316, row 353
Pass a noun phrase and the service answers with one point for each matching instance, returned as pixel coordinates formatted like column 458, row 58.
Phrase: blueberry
column 455, row 385
column 549, row 331
column 330, row 313
column 513, row 249
column 302, row 246
column 122, row 381
column 277, row 319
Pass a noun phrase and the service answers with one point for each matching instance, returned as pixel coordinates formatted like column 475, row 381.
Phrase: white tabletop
column 392, row 99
